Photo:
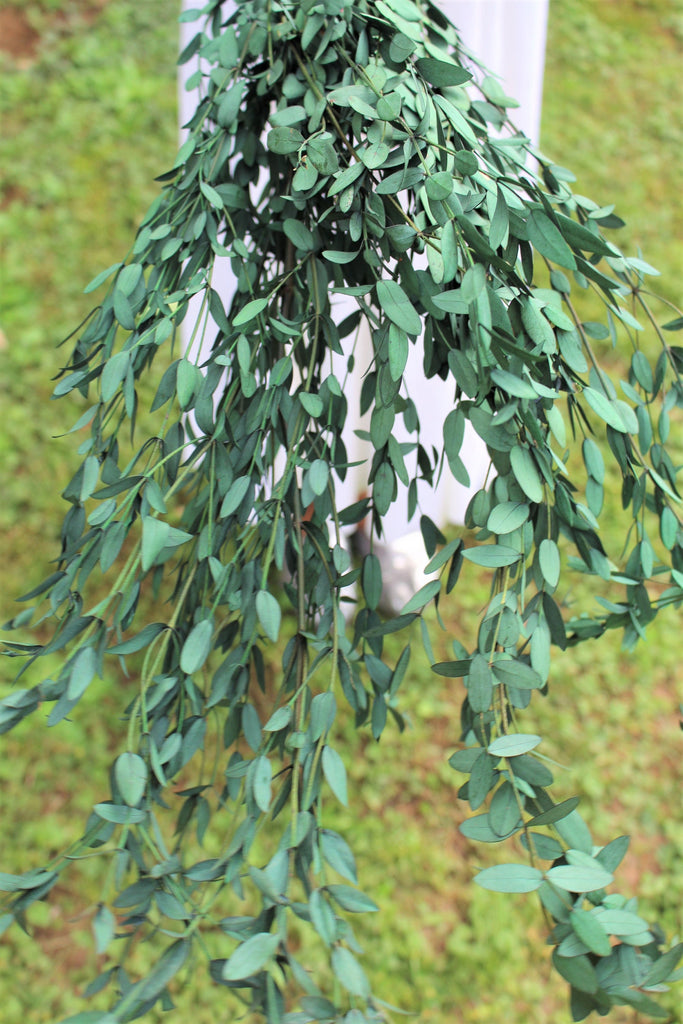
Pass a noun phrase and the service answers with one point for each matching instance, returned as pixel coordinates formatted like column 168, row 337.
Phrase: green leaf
column 101, row 278
column 611, row 856
column 547, row 238
column 578, row 971
column 492, row 556
column 83, row 669
column 663, row 967
column 353, row 900
column 338, row 855
column 500, row 222
column 549, row 561
column 606, row 409
column 156, row 536
column 269, row 614
column 441, row 74
column 284, row 140
column 398, row 352
column 573, row 829
column 375, row 155
column 313, row 404
column 318, row 476
column 509, row 878
column 249, row 312
column 513, row 672
column 526, row 473
column 623, row 922
column 322, row 154
column 371, row 580
column 197, row 646
column 400, row 180
column 507, row 517
column 339, row 256
column 104, row 928
column 513, row 744
column 251, row 956
column 335, row 774
column 130, row 773
column 298, row 234
column 504, row 814
column 452, row 302
column 588, row 928
column 140, row 641
column 398, row 307
column 439, row 186
column 579, row 878
column 165, row 969
column 479, row 829
column 280, row 719
column 349, row 972
column 210, row 193
column 423, row 596
column 261, row 777
column 481, row 781
column 555, row 813
column 480, row 684
column 118, row 814
column 113, row 372
column 235, row 496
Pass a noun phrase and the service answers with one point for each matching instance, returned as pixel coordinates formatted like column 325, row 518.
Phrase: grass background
column 87, row 104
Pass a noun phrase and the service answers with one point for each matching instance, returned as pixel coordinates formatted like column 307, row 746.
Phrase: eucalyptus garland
column 345, row 149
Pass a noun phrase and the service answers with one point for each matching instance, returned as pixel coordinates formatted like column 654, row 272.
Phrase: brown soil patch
column 17, row 35
column 10, row 193
column 21, row 40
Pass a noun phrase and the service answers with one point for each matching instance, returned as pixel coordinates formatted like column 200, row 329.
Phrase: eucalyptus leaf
column 509, row 878
column 359, row 178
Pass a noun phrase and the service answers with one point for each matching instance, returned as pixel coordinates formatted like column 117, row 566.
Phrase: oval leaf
column 513, row 744
column 251, row 956
column 130, row 772
column 197, row 646
column 510, row 878
column 334, row 771
column 269, row 614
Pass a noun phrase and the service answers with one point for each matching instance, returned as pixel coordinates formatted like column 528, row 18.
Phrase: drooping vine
column 355, row 149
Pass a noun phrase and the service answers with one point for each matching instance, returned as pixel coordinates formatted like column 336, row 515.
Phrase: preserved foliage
column 333, row 144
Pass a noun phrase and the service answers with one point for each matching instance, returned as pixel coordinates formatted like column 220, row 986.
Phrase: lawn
column 88, row 113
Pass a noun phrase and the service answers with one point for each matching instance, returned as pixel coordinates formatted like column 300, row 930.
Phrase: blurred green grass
column 88, row 122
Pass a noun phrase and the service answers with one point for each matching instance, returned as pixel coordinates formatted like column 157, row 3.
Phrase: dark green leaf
column 589, row 930
column 398, row 307
column 284, row 140
column 547, row 238
column 441, row 74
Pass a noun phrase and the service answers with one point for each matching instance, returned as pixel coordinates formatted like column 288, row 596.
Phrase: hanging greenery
column 346, row 149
